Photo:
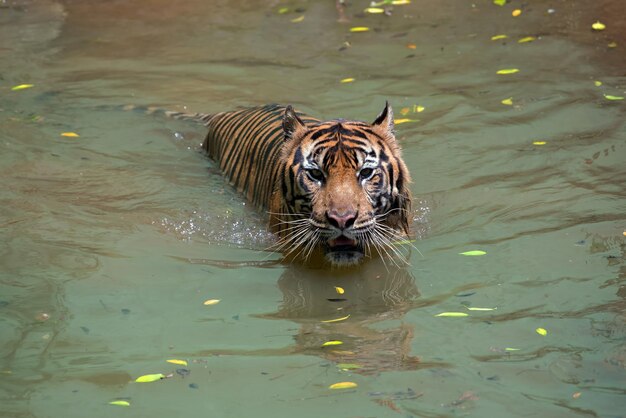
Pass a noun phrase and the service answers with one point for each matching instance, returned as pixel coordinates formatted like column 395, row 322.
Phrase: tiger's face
column 344, row 189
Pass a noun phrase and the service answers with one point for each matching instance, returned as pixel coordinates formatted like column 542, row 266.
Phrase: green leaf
column 147, row 378
column 348, row 366
column 499, row 2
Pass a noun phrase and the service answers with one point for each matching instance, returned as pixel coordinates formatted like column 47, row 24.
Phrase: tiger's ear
column 385, row 119
column 291, row 123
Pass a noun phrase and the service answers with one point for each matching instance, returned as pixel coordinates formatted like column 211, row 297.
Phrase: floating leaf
column 452, row 314
column 400, row 2
column 339, row 290
column 399, row 121
column 512, row 349
column 70, row 134
column 576, row 395
column 508, row 71
column 343, row 318
column 499, row 2
column 481, row 309
column 348, row 366
column 120, row 403
column 473, row 253
column 526, row 39
column 597, row 83
column 516, row 12
column 22, row 87
column 598, row 26
column 179, row 362
column 496, row 37
column 508, row 102
column 343, row 385
column 539, row 142
column 347, row 80
column 374, row 10
column 541, row 331
column 147, row 378
column 211, row 302
column 609, row 97
column 418, row 109
column 297, row 19
column 283, row 10
column 334, row 342
column 359, row 29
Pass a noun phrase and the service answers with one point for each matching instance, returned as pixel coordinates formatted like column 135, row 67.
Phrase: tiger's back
column 247, row 145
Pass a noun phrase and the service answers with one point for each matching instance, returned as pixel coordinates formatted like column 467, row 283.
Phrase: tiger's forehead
column 339, row 140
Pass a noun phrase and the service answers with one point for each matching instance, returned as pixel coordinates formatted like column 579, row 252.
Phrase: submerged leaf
column 597, row 83
column 399, row 121
column 147, row 378
column 343, row 385
column 609, row 97
column 298, row 19
column 70, row 134
column 179, row 362
column 526, row 39
column 283, row 10
column 499, row 2
column 343, row 318
column 539, row 142
column 359, row 29
column 211, row 302
column 496, row 37
column 347, row 80
column 473, row 253
column 508, row 102
column 348, row 366
column 508, row 71
column 481, row 309
column 452, row 314
column 374, row 10
column 516, row 12
column 511, row 349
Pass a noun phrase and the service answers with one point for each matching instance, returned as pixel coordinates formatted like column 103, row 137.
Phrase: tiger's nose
column 341, row 220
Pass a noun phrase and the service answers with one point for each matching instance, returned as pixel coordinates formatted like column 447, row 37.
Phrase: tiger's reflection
column 375, row 299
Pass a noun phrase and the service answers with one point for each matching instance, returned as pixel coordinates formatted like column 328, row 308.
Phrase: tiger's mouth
column 343, row 251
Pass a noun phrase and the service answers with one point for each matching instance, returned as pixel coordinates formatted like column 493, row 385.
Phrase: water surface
column 110, row 242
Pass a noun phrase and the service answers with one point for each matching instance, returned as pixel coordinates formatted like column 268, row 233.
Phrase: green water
column 111, row 242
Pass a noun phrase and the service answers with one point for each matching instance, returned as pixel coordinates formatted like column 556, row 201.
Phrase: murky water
column 111, row 241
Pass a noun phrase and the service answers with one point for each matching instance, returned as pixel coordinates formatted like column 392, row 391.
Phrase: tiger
column 335, row 191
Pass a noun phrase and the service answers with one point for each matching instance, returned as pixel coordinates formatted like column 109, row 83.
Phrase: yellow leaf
column 211, row 302
column 179, row 362
column 481, row 309
column 147, row 378
column 22, row 87
column 70, row 134
column 343, row 385
column 539, row 142
column 526, row 39
column 576, row 395
column 298, row 19
column 496, row 37
column 508, row 71
column 359, row 29
column 516, row 12
column 609, row 97
column 399, row 121
column 343, row 318
column 612, row 44
column 508, row 102
column 499, row 2
column 329, row 343
column 452, row 314
column 418, row 109
column 541, row 331
column 598, row 26
column 283, row 10
column 411, row 46
column 374, row 10
column 400, row 2
column 340, row 290
column 120, row 403
column 347, row 80
column 473, row 253
column 597, row 83
column 342, row 352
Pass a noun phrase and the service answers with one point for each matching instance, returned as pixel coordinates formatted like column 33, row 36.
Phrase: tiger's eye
column 315, row 174
column 366, row 173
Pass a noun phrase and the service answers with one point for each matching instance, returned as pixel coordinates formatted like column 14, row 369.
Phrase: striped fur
column 335, row 190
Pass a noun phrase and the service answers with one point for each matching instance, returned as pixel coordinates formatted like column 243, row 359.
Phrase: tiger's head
column 343, row 191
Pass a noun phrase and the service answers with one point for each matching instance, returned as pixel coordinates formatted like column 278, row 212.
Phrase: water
column 112, row 241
